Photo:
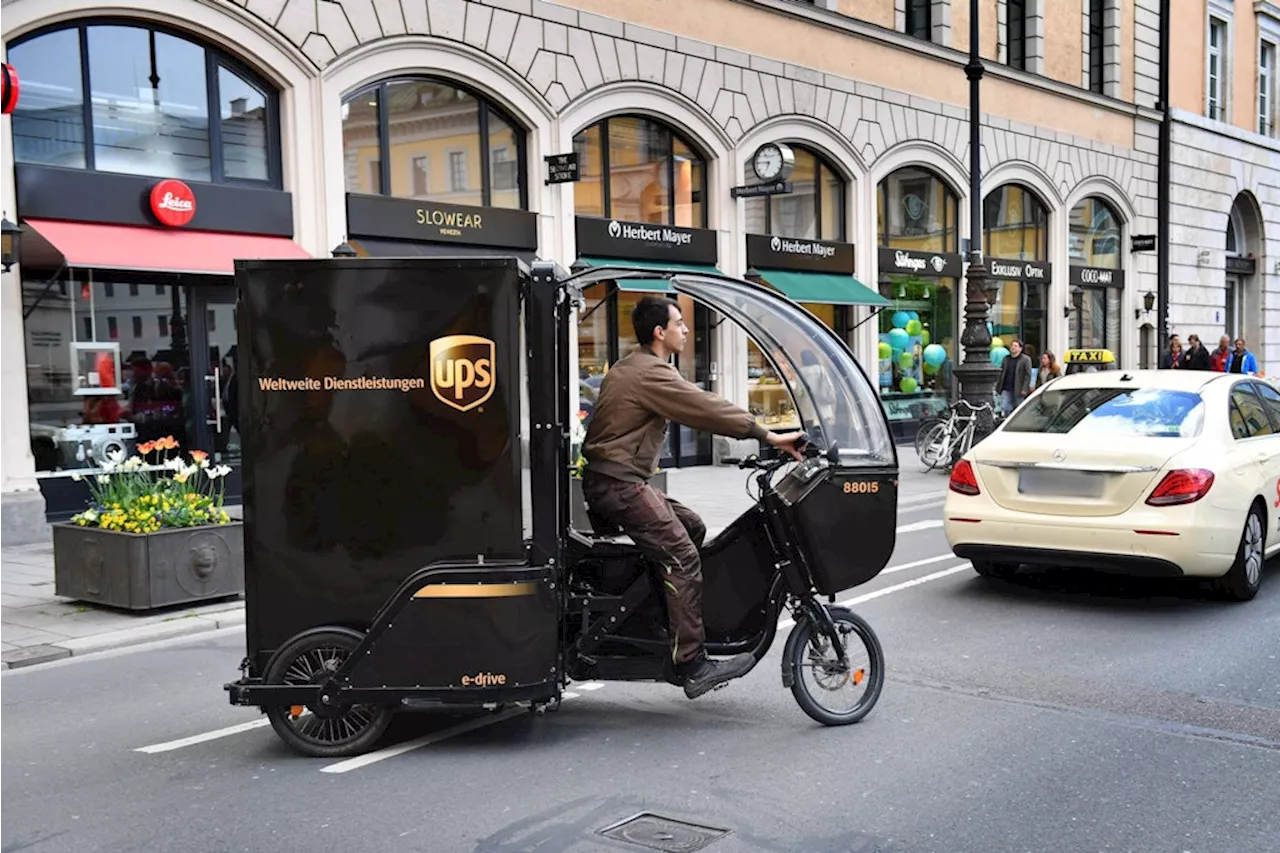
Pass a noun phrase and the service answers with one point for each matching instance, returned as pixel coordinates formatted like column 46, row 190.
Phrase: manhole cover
column 664, row 833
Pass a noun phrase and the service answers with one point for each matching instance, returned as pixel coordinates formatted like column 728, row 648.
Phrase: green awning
column 645, row 285
column 828, row 288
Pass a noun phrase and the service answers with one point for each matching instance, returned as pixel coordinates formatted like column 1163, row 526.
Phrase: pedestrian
column 1048, row 369
column 1218, row 358
column 1196, row 356
column 1172, row 359
column 1015, row 377
column 641, row 392
column 1241, row 360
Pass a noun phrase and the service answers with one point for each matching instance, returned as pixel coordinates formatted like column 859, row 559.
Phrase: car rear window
column 1146, row 412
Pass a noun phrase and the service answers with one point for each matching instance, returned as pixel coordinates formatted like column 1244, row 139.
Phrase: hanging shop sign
column 615, row 238
column 562, row 168
column 434, row 222
column 785, row 253
column 907, row 262
column 173, row 203
column 1096, row 277
column 1003, row 270
column 9, row 88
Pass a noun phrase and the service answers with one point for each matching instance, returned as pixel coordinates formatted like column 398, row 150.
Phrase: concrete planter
column 578, row 504
column 145, row 571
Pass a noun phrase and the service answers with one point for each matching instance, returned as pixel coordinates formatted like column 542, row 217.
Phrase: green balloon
column 906, row 361
column 930, row 369
column 885, row 350
column 908, row 384
column 914, row 327
column 997, row 342
column 924, row 337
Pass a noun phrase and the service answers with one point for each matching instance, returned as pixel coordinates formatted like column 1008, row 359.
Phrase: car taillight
column 1184, row 486
column 963, row 480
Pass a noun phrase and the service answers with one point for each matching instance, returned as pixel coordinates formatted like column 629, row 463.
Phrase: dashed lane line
column 207, row 736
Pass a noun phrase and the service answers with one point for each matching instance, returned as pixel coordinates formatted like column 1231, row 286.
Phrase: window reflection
column 435, row 147
column 48, row 123
column 1094, row 239
column 149, row 101
column 1016, row 227
column 243, row 117
column 915, row 209
column 645, row 172
column 813, row 210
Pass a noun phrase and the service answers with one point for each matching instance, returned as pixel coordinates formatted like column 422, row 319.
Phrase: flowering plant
column 127, row 497
column 577, row 435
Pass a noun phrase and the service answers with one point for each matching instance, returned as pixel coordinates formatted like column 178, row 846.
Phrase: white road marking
column 591, row 685
column 920, row 525
column 916, row 563
column 194, row 739
column 787, row 623
column 417, row 743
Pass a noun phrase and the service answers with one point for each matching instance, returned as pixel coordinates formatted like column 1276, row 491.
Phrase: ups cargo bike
column 403, row 549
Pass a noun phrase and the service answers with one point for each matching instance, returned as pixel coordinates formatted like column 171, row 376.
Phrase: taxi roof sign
column 1088, row 356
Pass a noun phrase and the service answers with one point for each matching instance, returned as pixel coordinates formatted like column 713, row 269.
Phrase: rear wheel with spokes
column 933, row 449
column 322, row 732
column 832, row 692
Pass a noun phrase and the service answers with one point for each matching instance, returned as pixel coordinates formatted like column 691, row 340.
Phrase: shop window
column 646, row 172
column 916, row 211
column 134, row 98
column 1093, row 240
column 813, row 210
column 396, row 132
column 1016, row 227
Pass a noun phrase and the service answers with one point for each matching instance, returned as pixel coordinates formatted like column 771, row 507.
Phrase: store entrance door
column 215, row 414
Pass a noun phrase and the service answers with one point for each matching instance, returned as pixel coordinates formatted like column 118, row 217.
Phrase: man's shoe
column 703, row 674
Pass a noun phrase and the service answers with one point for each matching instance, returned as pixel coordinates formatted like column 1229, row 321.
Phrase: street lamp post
column 976, row 374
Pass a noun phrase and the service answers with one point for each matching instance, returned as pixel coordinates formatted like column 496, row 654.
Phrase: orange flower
column 144, row 449
column 582, row 414
column 199, row 455
column 166, row 443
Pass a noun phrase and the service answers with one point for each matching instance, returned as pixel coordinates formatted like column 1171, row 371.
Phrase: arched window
column 1097, row 276
column 1243, row 300
column 432, row 140
column 141, row 99
column 916, row 213
column 639, row 169
column 813, row 210
column 1015, row 239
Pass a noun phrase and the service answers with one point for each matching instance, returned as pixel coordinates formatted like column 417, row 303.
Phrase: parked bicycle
column 943, row 442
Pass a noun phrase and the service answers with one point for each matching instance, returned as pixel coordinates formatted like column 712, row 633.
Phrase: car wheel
column 1242, row 580
column 988, row 569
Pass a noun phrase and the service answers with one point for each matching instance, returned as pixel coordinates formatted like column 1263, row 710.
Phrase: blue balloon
column 898, row 338
column 998, row 355
column 914, row 315
column 935, row 354
column 900, row 319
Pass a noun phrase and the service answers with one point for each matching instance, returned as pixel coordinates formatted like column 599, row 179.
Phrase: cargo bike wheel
column 332, row 731
column 832, row 691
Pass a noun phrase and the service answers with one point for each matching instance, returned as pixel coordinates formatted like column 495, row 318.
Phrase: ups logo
column 462, row 370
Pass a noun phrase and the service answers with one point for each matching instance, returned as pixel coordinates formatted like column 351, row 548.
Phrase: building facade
column 424, row 127
column 1225, row 174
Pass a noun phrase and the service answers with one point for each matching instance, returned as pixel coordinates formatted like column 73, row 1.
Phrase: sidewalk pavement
column 38, row 626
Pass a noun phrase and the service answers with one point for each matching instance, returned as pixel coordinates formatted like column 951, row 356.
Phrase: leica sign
column 173, row 203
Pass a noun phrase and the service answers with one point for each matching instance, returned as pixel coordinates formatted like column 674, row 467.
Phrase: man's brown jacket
column 638, row 396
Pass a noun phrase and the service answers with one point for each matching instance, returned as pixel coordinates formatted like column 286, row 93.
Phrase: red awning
column 90, row 245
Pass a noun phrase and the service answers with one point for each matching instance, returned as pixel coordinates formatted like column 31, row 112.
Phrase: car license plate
column 1049, row 482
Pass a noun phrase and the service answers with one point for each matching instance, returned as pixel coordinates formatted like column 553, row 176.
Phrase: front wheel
column 830, row 692
column 934, row 447
column 334, row 732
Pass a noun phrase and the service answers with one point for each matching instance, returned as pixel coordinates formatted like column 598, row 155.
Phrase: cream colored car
column 1164, row 473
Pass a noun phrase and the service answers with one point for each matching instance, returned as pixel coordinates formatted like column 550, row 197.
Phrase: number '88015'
column 860, row 487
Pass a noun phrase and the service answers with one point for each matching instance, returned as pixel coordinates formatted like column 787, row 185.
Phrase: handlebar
column 804, row 446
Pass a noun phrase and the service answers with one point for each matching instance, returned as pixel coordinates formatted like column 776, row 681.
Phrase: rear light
column 963, row 480
column 1183, row 486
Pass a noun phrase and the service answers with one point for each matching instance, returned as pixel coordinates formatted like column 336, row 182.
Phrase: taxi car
column 1171, row 473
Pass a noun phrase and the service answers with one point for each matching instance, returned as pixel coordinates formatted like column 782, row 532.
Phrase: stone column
column 22, row 518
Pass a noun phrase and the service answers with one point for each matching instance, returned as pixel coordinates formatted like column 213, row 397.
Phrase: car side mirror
column 833, row 454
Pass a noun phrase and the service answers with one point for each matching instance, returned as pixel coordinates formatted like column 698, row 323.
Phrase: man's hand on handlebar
column 791, row 442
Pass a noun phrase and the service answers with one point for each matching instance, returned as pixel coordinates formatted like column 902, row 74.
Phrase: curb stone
column 108, row 640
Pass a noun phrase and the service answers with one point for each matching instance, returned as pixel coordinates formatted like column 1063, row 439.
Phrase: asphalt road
column 1055, row 713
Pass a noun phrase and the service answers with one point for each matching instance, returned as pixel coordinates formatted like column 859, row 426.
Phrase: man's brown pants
column 669, row 534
